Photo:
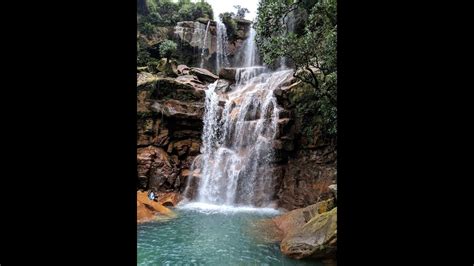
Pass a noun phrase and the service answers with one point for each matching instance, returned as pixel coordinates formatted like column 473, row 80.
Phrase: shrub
column 168, row 48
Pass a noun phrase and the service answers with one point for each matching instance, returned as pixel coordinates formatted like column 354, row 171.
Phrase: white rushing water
column 221, row 43
column 239, row 129
column 250, row 50
column 240, row 126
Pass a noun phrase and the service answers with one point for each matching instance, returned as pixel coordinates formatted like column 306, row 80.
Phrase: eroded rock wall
column 170, row 111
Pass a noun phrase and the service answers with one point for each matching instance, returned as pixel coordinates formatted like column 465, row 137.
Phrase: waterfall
column 204, row 44
column 240, row 127
column 221, row 40
column 250, row 50
column 238, row 134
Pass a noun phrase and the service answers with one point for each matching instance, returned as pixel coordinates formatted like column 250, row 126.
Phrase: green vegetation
column 167, row 49
column 231, row 26
column 228, row 18
column 154, row 15
column 305, row 32
column 168, row 13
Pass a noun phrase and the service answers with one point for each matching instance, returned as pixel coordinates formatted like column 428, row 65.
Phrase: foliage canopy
column 304, row 32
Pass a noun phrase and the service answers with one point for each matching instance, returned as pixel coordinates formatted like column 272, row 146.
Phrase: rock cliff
column 170, row 111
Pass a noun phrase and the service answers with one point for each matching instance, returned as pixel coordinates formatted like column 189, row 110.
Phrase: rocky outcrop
column 156, row 168
column 170, row 112
column 228, row 73
column 169, row 125
column 183, row 70
column 308, row 232
column 189, row 35
column 305, row 159
column 193, row 41
column 317, row 238
column 148, row 210
column 203, row 74
column 168, row 67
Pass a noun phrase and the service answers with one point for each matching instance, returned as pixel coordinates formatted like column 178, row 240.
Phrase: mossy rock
column 316, row 239
column 170, row 68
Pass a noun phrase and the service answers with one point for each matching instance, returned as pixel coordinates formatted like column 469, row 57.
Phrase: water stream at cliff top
column 221, row 41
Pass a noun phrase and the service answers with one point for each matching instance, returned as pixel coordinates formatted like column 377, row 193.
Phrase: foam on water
column 207, row 208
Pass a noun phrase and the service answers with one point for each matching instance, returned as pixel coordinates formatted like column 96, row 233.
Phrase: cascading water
column 250, row 50
column 221, row 43
column 239, row 129
column 204, row 44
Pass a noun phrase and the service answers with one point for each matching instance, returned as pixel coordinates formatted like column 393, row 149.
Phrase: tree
column 241, row 11
column 312, row 49
column 167, row 49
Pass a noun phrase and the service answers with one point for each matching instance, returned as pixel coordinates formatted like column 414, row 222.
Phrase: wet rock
column 169, row 198
column 203, row 74
column 227, row 73
column 150, row 210
column 195, row 173
column 223, row 86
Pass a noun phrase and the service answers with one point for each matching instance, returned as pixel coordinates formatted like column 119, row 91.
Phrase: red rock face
column 169, row 124
column 306, row 179
column 169, row 131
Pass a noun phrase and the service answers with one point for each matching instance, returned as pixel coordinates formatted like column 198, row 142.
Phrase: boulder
column 203, row 74
column 183, row 69
column 170, row 68
column 223, row 86
column 191, row 80
column 150, row 210
column 227, row 73
column 316, row 239
column 168, row 198
column 295, row 219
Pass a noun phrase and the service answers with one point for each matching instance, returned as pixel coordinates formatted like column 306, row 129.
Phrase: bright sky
column 221, row 6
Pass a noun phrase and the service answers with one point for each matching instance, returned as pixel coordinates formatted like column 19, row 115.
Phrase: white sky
column 221, row 6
